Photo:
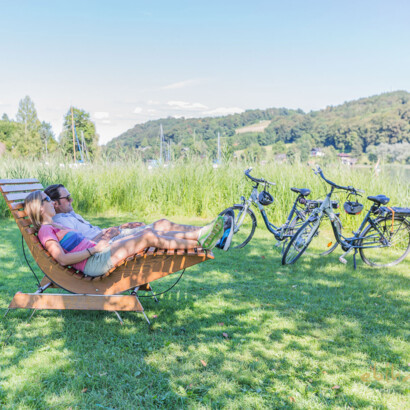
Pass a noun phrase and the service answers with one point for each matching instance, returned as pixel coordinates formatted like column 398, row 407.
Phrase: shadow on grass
column 239, row 331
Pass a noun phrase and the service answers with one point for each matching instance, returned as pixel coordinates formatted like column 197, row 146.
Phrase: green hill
column 352, row 126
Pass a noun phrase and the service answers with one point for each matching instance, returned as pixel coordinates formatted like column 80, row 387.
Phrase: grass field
column 240, row 331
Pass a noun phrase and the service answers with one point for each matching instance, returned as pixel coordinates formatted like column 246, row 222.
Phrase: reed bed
column 196, row 188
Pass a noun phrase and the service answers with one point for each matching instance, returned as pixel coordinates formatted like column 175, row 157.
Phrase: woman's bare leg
column 128, row 247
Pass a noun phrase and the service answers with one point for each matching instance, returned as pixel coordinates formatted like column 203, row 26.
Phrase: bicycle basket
column 265, row 198
column 353, row 208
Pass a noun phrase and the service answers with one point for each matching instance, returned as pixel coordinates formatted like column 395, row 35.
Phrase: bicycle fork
column 241, row 216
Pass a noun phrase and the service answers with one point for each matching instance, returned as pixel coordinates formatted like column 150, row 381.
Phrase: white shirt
column 77, row 223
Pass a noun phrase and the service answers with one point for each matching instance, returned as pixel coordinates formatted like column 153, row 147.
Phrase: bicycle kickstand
column 354, row 259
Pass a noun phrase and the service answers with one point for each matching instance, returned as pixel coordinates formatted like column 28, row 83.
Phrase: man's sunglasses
column 47, row 198
column 68, row 197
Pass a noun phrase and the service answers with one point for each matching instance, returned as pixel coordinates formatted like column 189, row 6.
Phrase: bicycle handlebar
column 257, row 180
column 346, row 188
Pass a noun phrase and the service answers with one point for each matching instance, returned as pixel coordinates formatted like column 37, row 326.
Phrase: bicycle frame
column 348, row 243
column 277, row 231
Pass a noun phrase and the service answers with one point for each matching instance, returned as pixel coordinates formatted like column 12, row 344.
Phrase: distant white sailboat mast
column 161, row 141
column 219, row 148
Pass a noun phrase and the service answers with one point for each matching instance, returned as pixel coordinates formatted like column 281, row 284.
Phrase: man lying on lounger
column 66, row 216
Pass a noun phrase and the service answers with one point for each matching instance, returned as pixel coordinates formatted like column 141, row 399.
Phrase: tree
column 47, row 137
column 83, row 127
column 27, row 115
column 28, row 142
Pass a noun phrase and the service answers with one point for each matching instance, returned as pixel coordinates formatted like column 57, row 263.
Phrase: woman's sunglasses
column 47, row 198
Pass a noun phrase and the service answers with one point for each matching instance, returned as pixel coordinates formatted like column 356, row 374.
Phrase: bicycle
column 245, row 221
column 384, row 236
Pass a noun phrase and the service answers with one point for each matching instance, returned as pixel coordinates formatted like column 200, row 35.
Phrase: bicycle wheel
column 325, row 242
column 299, row 242
column 377, row 251
column 245, row 225
column 291, row 230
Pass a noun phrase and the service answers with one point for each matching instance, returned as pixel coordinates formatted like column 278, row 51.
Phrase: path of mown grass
column 302, row 336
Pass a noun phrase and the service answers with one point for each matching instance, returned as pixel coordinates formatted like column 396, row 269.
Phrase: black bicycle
column 383, row 237
column 245, row 219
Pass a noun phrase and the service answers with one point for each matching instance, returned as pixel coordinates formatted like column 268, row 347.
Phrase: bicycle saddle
column 302, row 191
column 380, row 199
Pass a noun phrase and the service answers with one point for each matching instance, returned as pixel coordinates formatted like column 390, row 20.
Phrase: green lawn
column 241, row 331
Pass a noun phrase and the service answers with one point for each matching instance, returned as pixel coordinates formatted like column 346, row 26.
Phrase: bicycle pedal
column 342, row 258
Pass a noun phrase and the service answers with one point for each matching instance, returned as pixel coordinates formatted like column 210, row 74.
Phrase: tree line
column 356, row 127
column 378, row 127
column 27, row 136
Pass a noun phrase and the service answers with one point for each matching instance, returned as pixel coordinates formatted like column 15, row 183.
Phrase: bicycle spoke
column 387, row 245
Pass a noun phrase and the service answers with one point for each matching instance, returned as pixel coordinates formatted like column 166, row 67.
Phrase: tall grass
column 196, row 189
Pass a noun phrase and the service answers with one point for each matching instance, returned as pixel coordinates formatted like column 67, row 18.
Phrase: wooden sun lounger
column 90, row 293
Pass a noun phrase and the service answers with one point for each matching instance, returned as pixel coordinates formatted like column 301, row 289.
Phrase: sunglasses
column 47, row 198
column 68, row 197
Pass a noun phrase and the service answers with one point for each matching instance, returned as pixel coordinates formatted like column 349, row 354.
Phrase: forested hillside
column 377, row 126
column 352, row 127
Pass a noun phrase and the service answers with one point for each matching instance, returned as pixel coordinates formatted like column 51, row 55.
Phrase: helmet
column 353, row 208
column 265, row 198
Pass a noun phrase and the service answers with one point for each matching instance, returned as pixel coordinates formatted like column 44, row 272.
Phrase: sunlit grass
column 241, row 331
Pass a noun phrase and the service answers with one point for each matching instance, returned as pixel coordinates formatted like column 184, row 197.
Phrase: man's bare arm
column 110, row 233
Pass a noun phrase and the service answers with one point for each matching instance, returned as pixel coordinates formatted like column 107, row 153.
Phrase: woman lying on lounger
column 69, row 247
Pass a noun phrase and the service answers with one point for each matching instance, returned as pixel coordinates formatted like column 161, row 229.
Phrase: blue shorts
column 99, row 263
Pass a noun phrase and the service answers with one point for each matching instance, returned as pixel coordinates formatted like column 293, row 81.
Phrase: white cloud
column 106, row 121
column 223, row 111
column 152, row 102
column 99, row 115
column 183, row 105
column 138, row 110
column 180, row 84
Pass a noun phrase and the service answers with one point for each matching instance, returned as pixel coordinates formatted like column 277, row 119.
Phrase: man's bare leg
column 180, row 234
column 164, row 225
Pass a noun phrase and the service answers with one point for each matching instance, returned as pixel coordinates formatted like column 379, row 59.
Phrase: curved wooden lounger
column 133, row 273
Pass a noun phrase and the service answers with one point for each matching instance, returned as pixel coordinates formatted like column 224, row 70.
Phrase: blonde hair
column 32, row 206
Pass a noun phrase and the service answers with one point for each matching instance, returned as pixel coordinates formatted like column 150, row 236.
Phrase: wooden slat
column 17, row 205
column 191, row 252
column 200, row 252
column 24, row 222
column 76, row 302
column 20, row 214
column 21, row 187
column 181, row 252
column 18, row 181
column 150, row 251
column 30, row 230
column 160, row 252
column 16, row 197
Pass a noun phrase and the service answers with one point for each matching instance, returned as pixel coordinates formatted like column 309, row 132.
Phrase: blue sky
column 126, row 62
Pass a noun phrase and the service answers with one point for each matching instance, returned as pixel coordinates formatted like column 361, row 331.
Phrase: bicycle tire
column 299, row 242
column 325, row 238
column 291, row 230
column 398, row 235
column 243, row 233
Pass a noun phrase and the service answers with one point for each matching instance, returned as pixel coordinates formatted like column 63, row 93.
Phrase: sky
column 127, row 62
